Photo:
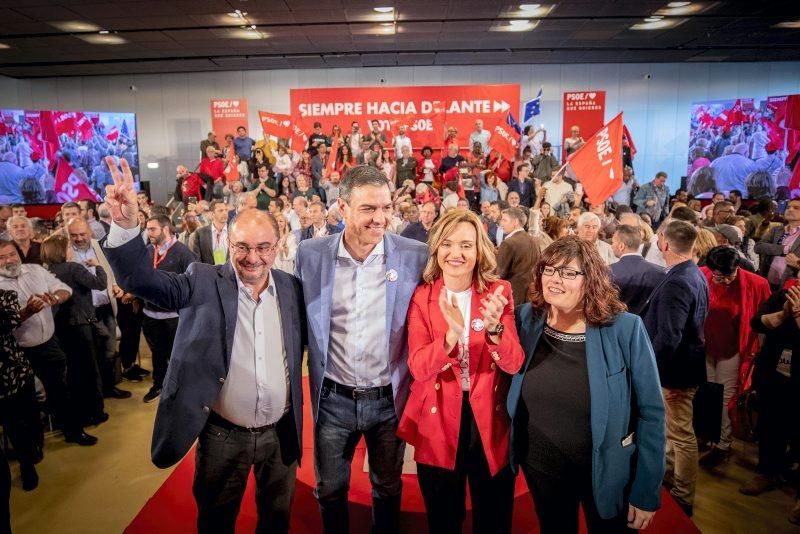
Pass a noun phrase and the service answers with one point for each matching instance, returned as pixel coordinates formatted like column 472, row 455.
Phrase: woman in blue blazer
column 587, row 410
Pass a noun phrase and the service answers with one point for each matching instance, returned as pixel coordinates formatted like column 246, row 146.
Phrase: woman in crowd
column 19, row 413
column 462, row 349
column 476, row 155
column 425, row 193
column 385, row 163
column 489, row 190
column 303, row 189
column 734, row 297
column 303, row 167
column 590, row 364
column 283, row 164
column 428, row 169
column 702, row 245
column 555, row 227
column 336, row 138
column 286, row 187
column 256, row 160
column 777, row 384
column 287, row 246
column 74, row 325
column 344, row 159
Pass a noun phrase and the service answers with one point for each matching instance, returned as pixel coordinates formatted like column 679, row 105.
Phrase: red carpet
column 172, row 510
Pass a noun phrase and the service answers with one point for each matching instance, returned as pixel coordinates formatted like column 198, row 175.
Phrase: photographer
column 544, row 163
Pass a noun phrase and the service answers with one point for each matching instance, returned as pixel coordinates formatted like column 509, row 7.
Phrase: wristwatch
column 497, row 330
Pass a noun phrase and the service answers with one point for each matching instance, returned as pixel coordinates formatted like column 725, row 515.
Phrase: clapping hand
column 792, row 260
column 793, row 301
column 121, row 197
column 492, row 307
column 452, row 313
column 36, row 303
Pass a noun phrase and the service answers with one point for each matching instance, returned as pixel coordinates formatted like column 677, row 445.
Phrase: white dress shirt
column 34, row 280
column 357, row 352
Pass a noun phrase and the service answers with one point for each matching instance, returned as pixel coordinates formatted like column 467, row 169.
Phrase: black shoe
column 139, row 371
column 152, row 395
column 30, row 478
column 83, row 439
column 688, row 509
column 97, row 419
column 131, row 375
column 714, row 457
column 117, row 393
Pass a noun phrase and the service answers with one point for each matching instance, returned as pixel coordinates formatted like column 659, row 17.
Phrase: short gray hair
column 361, row 176
column 588, row 217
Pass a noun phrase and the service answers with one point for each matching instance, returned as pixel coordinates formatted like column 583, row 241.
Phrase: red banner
column 504, row 139
column 276, row 124
column 584, row 109
column 69, row 187
column 227, row 115
column 598, row 163
column 427, row 110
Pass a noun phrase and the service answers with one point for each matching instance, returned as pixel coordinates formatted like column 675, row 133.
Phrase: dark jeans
column 50, row 364
column 222, row 464
column 444, row 490
column 83, row 375
column 160, row 336
column 105, row 341
column 19, row 414
column 130, row 327
column 778, row 425
column 557, row 498
column 341, row 422
column 5, row 495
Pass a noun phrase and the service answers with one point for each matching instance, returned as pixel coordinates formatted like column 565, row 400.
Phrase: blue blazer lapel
column 392, row 263
column 285, row 303
column 598, row 384
column 229, row 299
column 531, row 329
column 328, row 272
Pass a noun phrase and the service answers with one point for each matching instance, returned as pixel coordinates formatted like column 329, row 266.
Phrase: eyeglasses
column 566, row 273
column 724, row 278
column 262, row 250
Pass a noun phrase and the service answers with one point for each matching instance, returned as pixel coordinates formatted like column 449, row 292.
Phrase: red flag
column 629, row 138
column 64, row 122
column 299, row 136
column 460, row 190
column 48, row 128
column 231, row 171
column 504, row 138
column 598, row 163
column 83, row 125
column 794, row 181
column 69, row 187
column 113, row 134
column 276, row 124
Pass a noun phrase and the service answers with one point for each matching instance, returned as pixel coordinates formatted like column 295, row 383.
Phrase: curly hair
column 601, row 303
column 485, row 264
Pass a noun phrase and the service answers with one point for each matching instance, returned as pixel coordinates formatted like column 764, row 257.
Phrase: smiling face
column 253, row 228
column 458, row 254
column 368, row 213
column 564, row 295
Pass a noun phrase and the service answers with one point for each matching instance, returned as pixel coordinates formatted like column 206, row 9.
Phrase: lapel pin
column 391, row 275
column 477, row 325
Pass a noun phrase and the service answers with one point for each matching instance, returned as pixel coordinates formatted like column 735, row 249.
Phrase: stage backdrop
column 427, row 111
column 51, row 156
column 584, row 109
column 227, row 115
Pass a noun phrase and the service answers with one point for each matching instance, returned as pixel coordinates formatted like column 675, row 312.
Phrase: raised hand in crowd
column 121, row 196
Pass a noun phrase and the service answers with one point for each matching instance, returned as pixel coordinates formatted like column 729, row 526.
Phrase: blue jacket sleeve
column 136, row 274
column 650, row 426
column 666, row 319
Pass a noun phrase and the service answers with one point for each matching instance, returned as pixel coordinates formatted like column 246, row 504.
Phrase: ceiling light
column 653, row 19
column 3, row 46
column 529, row 7
column 238, row 13
column 658, row 24
column 516, row 25
column 519, row 22
column 791, row 24
column 105, row 39
column 685, row 8
column 678, row 4
column 75, row 26
column 103, row 32
column 152, row 164
column 387, row 24
column 384, row 9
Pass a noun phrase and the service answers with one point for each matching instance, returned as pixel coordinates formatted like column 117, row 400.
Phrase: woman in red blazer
column 463, row 347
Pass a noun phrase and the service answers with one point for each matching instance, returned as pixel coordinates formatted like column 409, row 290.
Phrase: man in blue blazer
column 234, row 379
column 635, row 277
column 357, row 287
column 674, row 317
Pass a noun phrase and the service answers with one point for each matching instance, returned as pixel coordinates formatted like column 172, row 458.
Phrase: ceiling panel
column 200, row 34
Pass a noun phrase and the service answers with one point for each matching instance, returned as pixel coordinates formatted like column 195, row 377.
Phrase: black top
column 33, row 255
column 79, row 308
column 416, row 231
column 553, row 429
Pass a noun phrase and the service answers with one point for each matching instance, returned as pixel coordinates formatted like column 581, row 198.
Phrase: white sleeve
column 118, row 236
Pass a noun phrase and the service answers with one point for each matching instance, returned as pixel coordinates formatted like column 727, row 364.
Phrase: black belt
column 356, row 392
column 216, row 419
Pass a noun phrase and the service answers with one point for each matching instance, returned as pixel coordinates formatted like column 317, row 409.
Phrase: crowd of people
column 466, row 305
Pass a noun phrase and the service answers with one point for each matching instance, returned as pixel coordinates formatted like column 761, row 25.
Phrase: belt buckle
column 358, row 391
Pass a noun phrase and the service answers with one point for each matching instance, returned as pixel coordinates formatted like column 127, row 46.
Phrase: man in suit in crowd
column 674, row 318
column 523, row 185
column 493, row 227
column 84, row 248
column 319, row 164
column 779, row 248
column 419, row 230
column 517, row 254
column 358, row 285
column 210, row 243
column 234, row 381
column 318, row 227
column 635, row 277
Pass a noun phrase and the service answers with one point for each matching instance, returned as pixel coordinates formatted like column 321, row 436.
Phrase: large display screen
column 49, row 156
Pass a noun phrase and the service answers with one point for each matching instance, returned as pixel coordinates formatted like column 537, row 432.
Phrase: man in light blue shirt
column 243, row 144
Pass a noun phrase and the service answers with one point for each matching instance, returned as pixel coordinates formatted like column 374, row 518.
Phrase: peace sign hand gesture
column 121, row 197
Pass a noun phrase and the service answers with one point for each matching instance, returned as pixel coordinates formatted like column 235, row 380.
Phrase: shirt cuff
column 118, row 236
